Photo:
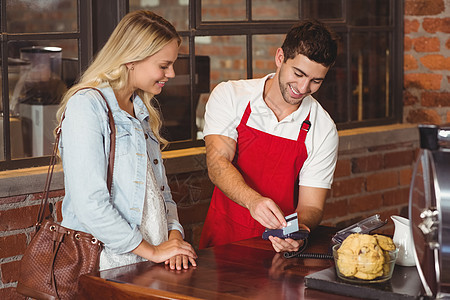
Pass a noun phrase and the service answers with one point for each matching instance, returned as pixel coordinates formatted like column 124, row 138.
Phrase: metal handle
column 429, row 227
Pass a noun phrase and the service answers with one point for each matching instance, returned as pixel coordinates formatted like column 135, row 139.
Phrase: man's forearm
column 311, row 201
column 227, row 178
column 310, row 216
column 220, row 151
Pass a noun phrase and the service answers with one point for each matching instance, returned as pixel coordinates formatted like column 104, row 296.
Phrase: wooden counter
column 248, row 269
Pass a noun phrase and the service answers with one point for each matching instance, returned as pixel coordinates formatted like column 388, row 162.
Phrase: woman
column 139, row 221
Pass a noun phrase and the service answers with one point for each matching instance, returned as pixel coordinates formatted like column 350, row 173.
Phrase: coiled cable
column 298, row 254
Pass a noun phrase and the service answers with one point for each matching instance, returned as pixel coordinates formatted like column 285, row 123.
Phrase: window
column 42, row 51
column 240, row 37
column 222, row 40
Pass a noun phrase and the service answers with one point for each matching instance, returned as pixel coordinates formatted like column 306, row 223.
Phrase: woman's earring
column 132, row 67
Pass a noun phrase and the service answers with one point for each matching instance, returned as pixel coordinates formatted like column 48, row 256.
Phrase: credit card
column 292, row 224
column 289, row 231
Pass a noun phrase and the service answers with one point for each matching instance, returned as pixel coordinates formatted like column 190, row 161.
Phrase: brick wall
column 427, row 61
column 17, row 216
column 371, row 179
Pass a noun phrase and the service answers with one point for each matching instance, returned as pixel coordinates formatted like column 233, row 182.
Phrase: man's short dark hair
column 312, row 39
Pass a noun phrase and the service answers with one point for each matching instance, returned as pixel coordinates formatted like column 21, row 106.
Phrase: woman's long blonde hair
column 138, row 35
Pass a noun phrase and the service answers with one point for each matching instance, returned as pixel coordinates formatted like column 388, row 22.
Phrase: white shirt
column 153, row 226
column 226, row 106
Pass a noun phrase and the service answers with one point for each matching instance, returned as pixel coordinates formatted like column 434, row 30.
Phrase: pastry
column 363, row 256
column 385, row 242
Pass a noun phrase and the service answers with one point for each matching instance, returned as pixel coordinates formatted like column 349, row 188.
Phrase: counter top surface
column 248, row 269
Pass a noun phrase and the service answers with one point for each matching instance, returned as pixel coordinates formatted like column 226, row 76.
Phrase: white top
column 153, row 227
column 226, row 106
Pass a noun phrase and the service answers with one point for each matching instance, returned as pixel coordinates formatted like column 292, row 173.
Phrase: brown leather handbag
column 57, row 256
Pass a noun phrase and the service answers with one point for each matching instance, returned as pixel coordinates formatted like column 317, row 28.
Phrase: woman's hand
column 167, row 251
column 180, row 261
column 176, row 253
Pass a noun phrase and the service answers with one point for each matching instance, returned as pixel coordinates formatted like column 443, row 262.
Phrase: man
column 271, row 148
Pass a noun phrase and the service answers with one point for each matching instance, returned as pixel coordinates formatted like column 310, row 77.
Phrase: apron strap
column 246, row 115
column 306, row 125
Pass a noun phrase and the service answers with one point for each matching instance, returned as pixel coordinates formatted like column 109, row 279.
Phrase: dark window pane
column 17, row 143
column 175, row 98
column 34, row 16
column 1, row 94
column 332, row 95
column 14, row 123
column 370, row 73
column 175, row 103
column 274, row 10
column 2, row 152
column 38, row 81
column 368, row 12
column 323, row 9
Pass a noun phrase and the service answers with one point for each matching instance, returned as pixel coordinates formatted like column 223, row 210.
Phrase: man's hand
column 287, row 245
column 267, row 213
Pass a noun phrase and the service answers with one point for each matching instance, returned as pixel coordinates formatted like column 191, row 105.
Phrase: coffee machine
column 36, row 98
column 429, row 210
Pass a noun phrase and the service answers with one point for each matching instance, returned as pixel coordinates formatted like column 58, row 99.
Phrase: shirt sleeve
column 319, row 167
column 220, row 116
column 84, row 157
column 172, row 216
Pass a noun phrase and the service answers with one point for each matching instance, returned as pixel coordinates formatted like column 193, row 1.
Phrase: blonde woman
column 139, row 221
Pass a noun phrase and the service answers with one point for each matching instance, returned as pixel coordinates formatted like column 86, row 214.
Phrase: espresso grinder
column 429, row 210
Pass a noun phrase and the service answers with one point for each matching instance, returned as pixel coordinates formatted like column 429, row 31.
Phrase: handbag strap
column 112, row 150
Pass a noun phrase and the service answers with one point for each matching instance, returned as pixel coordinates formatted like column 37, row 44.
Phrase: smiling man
column 271, row 148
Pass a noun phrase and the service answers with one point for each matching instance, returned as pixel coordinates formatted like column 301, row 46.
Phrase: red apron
column 271, row 166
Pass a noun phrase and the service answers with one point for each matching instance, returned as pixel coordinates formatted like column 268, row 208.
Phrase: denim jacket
column 84, row 147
